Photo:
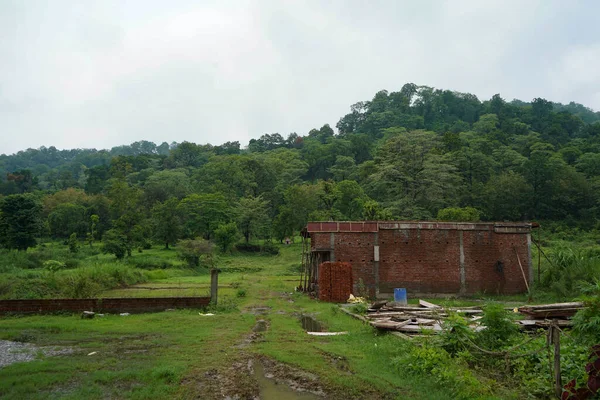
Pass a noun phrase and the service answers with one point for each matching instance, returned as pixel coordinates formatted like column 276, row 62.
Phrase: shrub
column 270, row 248
column 267, row 248
column 53, row 265
column 226, row 235
column 459, row 214
column 586, row 323
column 570, row 270
column 247, row 248
column 115, row 243
column 436, row 364
column 500, row 328
column 73, row 243
column 195, row 251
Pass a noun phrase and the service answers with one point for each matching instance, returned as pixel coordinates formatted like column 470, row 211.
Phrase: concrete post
column 462, row 272
column 214, row 285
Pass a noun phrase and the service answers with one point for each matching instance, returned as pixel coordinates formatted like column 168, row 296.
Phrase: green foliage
column 252, row 217
column 53, row 265
column 19, row 221
column 437, row 365
column 113, row 242
column 166, row 222
column 196, row 252
column 203, row 214
column 456, row 334
column 586, row 323
column 73, row 243
column 266, row 248
column 225, row 236
column 571, row 268
column 68, row 218
column 500, row 328
column 467, row 214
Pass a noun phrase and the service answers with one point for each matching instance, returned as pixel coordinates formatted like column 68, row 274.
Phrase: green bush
column 267, row 248
column 586, row 323
column 500, row 328
column 53, row 265
column 436, row 364
column 248, row 248
column 570, row 270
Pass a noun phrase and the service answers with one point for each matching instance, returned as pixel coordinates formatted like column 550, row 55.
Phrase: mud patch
column 296, row 379
column 339, row 362
column 254, row 378
column 261, row 326
column 13, row 352
column 270, row 389
column 258, row 310
column 234, row 383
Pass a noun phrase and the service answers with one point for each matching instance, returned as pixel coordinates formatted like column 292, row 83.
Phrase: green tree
column 73, row 243
column 226, row 235
column 412, row 177
column 203, row 213
column 467, row 214
column 343, row 169
column 252, row 217
column 68, row 218
column 166, row 222
column 114, row 242
column 194, row 251
column 19, row 221
column 507, row 196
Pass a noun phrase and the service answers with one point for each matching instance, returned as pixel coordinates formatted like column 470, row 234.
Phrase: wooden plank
column 575, row 304
column 327, row 333
column 427, row 304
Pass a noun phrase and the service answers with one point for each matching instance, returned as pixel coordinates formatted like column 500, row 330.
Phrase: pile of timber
column 544, row 315
column 394, row 316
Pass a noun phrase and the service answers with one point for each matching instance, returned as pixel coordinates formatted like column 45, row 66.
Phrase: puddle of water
column 269, row 390
column 310, row 324
column 261, row 326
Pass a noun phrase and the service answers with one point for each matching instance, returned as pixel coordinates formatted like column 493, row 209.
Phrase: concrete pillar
column 463, row 272
column 376, row 262
column 332, row 247
column 529, row 260
column 214, row 285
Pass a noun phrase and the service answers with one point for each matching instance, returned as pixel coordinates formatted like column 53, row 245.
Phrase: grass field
column 183, row 354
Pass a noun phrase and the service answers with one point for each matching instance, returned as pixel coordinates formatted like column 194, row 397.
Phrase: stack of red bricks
column 335, row 281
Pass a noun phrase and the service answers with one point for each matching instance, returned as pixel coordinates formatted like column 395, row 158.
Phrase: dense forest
column 418, row 153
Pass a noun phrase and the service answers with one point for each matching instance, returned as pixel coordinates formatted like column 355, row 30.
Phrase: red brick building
column 426, row 257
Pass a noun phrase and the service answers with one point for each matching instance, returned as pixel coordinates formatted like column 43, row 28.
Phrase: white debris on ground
column 13, row 352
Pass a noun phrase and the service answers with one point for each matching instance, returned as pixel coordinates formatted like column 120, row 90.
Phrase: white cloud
column 105, row 73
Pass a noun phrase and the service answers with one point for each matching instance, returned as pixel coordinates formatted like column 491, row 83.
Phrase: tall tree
column 19, row 221
column 252, row 217
column 166, row 222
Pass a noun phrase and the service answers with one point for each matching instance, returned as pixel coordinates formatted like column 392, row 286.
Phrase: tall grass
column 83, row 282
column 570, row 269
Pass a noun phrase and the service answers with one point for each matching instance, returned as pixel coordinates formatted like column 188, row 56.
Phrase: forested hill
column 402, row 155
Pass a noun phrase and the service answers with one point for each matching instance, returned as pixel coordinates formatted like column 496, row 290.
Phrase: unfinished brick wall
column 108, row 305
column 431, row 257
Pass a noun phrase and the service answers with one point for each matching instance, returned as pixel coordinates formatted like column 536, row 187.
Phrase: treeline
column 419, row 153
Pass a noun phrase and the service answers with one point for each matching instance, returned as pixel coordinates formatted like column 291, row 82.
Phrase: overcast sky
column 105, row 73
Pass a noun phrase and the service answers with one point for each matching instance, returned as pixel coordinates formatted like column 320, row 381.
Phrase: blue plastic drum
column 400, row 295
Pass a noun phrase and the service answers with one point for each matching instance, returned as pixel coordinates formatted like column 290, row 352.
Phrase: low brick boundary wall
column 108, row 305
